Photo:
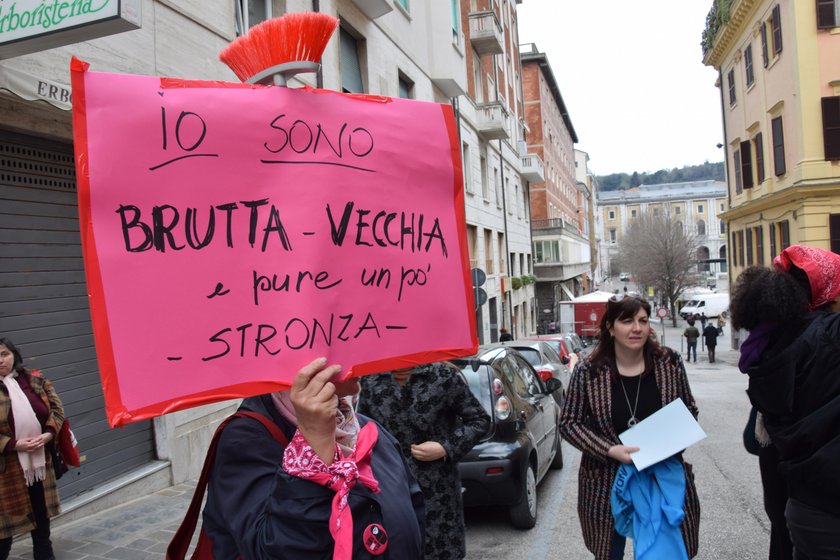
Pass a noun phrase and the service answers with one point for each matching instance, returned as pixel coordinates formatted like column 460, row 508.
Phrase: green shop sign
column 28, row 26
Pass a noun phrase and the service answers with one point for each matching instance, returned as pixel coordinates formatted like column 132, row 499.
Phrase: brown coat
column 15, row 508
column 587, row 424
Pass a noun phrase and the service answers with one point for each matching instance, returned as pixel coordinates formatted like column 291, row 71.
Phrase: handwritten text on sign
column 238, row 233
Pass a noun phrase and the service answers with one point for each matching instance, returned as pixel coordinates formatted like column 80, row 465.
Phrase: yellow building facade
column 779, row 77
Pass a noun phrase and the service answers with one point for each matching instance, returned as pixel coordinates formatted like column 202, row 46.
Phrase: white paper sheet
column 669, row 430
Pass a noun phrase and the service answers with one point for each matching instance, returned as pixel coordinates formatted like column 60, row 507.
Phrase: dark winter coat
column 710, row 334
column 796, row 385
column 257, row 511
column 434, row 404
column 586, row 422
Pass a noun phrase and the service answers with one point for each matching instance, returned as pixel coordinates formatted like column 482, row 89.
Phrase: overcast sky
column 632, row 77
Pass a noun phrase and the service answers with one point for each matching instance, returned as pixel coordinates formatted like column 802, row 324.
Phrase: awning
column 33, row 88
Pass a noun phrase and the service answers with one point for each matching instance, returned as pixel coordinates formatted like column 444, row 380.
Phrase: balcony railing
column 532, row 168
column 493, row 121
column 486, row 33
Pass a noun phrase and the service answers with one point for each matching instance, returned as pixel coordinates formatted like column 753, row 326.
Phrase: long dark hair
column 604, row 353
column 18, row 364
column 767, row 296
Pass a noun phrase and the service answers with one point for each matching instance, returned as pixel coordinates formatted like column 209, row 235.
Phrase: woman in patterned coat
column 30, row 417
column 626, row 378
column 437, row 420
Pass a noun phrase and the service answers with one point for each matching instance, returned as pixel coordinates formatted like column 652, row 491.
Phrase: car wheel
column 524, row 514
column 557, row 462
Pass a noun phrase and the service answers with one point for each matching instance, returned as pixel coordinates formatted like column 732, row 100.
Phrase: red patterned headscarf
column 821, row 267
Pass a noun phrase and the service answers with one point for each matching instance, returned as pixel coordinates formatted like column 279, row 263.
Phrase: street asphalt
column 733, row 524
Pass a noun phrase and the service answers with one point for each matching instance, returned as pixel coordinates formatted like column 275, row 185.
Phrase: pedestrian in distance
column 703, row 320
column 437, row 420
column 691, row 335
column 792, row 357
column 505, row 335
column 337, row 488
column 721, row 322
column 625, row 379
column 31, row 415
column 710, row 335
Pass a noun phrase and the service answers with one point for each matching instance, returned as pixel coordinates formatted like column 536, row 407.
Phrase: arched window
column 701, row 227
column 703, row 259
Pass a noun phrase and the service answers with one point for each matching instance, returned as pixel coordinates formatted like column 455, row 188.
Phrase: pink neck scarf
column 821, row 267
column 346, row 421
column 341, row 476
column 26, row 425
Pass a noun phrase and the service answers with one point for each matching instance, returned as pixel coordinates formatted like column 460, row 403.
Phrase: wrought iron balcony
column 486, row 34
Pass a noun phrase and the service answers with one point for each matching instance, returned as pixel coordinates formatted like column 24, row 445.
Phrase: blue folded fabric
column 648, row 507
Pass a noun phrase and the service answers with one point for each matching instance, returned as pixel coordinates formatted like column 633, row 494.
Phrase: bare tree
column 661, row 253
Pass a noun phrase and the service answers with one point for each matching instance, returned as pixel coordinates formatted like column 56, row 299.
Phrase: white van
column 710, row 304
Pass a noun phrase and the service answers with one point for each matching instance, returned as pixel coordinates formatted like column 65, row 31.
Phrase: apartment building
column 693, row 205
column 462, row 53
column 497, row 168
column 779, row 78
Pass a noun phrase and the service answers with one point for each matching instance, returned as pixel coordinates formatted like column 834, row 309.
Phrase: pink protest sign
column 232, row 234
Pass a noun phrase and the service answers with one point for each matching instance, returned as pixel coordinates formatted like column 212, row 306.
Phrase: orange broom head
column 294, row 37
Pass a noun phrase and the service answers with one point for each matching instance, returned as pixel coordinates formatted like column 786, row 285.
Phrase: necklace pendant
column 632, row 422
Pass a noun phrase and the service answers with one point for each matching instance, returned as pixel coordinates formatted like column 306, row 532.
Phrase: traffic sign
column 478, row 277
column 662, row 312
column 480, row 297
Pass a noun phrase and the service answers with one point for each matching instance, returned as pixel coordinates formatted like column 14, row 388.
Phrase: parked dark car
column 523, row 441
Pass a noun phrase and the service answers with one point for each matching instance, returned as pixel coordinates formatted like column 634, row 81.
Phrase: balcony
column 532, row 168
column 486, row 33
column 374, row 8
column 492, row 121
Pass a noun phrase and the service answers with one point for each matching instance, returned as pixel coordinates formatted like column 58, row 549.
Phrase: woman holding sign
column 31, row 415
column 624, row 380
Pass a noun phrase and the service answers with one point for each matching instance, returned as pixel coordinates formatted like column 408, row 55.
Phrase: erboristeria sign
column 28, row 26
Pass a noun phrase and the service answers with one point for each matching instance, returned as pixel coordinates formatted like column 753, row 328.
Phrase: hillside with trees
column 703, row 172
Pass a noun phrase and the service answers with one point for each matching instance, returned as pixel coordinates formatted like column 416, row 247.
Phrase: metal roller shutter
column 44, row 305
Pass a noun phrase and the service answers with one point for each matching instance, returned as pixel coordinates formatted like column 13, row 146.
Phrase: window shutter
column 746, row 165
column 772, row 241
column 834, row 232
column 749, row 243
column 759, row 244
column 765, row 58
column 737, row 160
column 759, row 157
column 741, row 248
column 778, row 147
column 784, row 230
column 831, row 127
column 351, row 72
column 825, row 14
column 748, row 65
column 731, row 79
column 777, row 29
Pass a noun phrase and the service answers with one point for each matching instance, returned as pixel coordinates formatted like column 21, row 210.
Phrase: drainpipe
column 319, row 75
column 504, row 203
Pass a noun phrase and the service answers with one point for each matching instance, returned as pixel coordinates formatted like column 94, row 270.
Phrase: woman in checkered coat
column 626, row 378
column 30, row 417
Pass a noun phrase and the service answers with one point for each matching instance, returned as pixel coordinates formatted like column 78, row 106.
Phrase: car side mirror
column 552, row 384
column 564, row 360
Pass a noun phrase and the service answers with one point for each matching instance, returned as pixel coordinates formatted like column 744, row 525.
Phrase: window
column 746, row 165
column 828, row 13
column 611, row 214
column 759, row 157
column 701, row 227
column 700, row 209
column 778, row 147
column 456, row 20
column 776, row 18
column 834, row 232
column 736, row 159
column 749, row 243
column 765, row 57
column 734, row 249
column 633, row 213
column 485, row 184
column 612, row 235
column 351, row 69
column 403, row 4
column 677, row 210
column 831, row 126
column 477, row 83
column 723, row 228
column 759, row 244
column 731, row 81
column 497, row 187
column 741, row 248
column 249, row 13
column 784, row 232
column 772, row 236
column 748, row 65
column 465, row 157
column 405, row 86
column 721, row 206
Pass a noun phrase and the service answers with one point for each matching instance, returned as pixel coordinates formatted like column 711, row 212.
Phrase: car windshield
column 479, row 383
column 530, row 354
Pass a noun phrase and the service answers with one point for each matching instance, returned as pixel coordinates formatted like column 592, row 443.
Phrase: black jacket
column 796, row 385
column 257, row 511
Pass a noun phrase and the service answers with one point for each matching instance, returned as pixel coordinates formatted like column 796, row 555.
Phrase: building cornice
column 775, row 200
column 740, row 14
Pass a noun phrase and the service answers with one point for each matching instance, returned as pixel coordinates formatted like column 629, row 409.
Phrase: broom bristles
column 299, row 36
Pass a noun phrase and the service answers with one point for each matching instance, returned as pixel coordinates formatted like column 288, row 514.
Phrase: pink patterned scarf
column 26, row 425
column 821, row 267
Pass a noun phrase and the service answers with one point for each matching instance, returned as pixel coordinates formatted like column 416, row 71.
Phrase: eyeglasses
column 620, row 296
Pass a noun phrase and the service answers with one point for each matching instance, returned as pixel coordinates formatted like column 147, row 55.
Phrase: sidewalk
column 137, row 530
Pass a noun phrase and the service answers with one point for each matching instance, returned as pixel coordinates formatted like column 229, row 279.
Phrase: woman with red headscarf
column 793, row 359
